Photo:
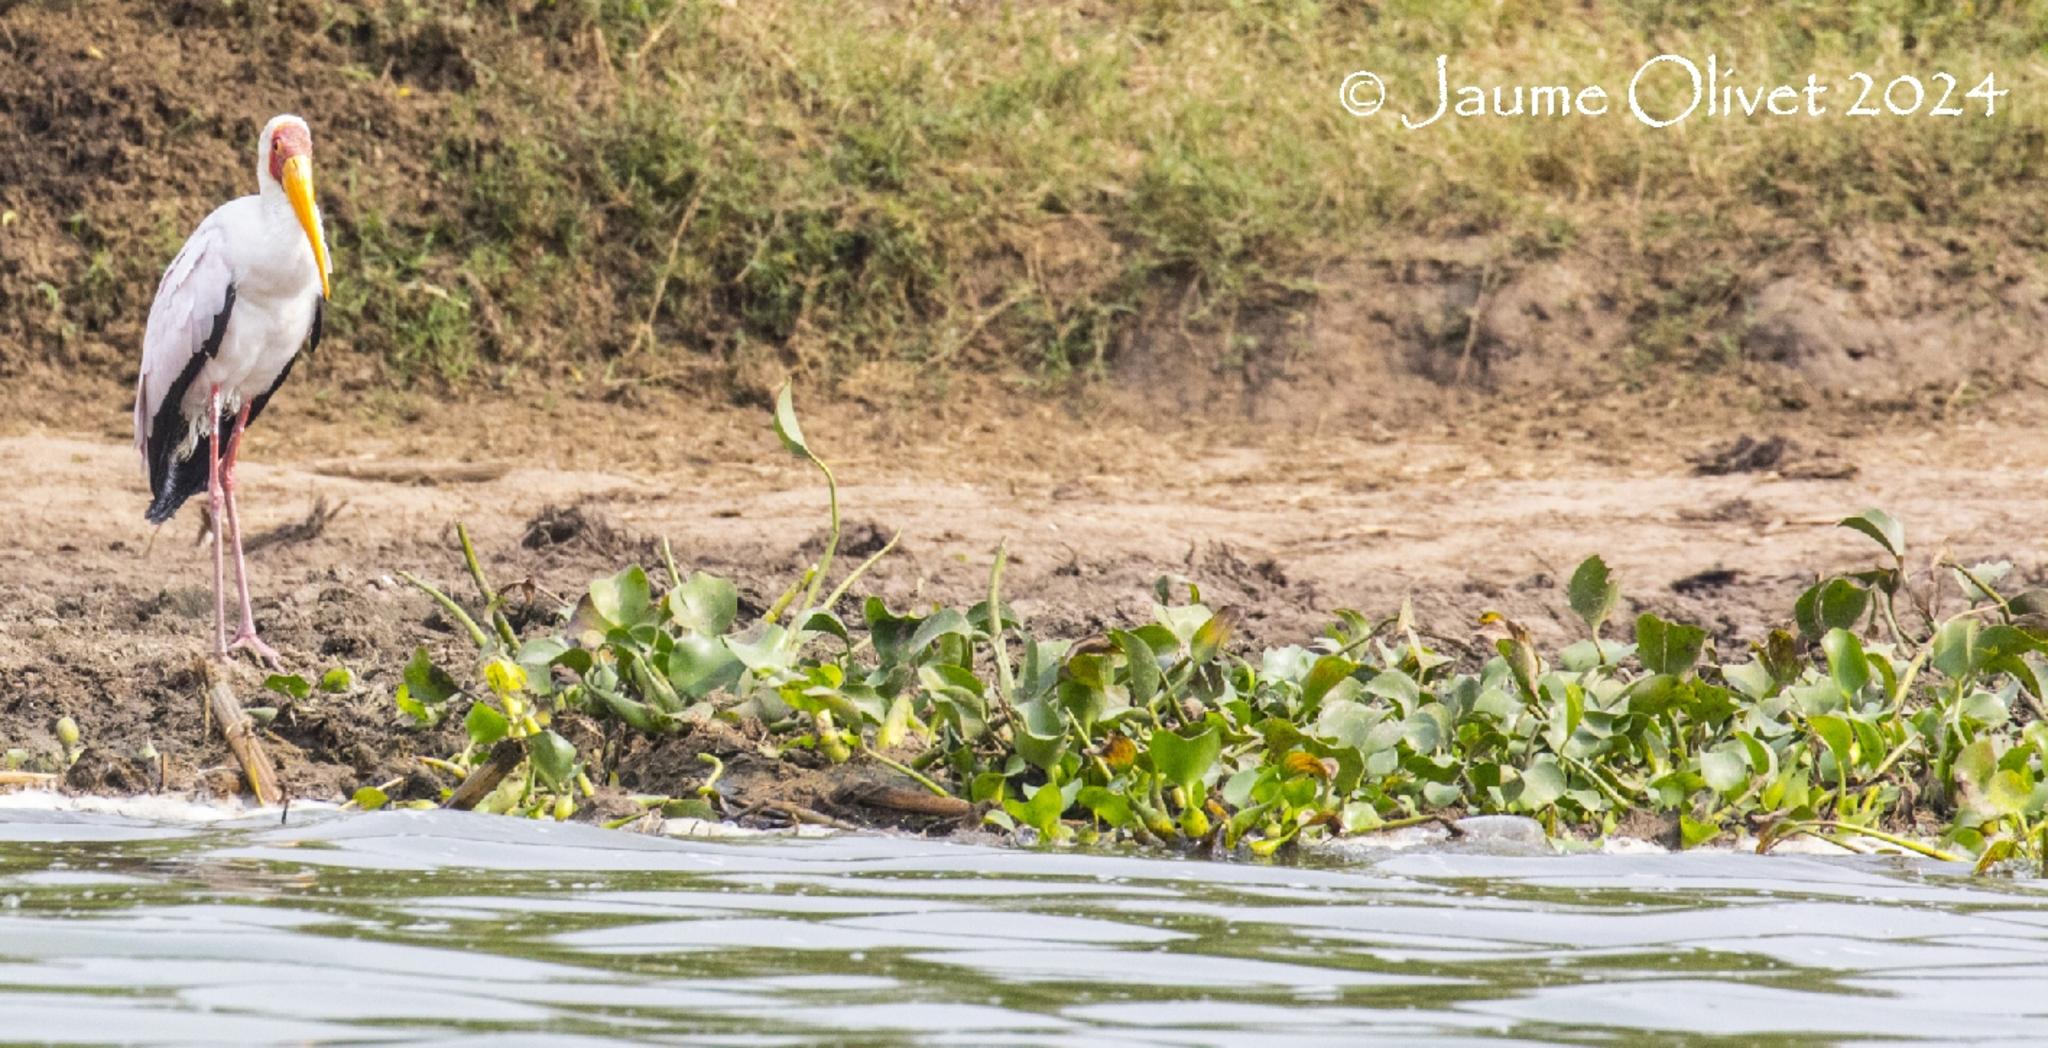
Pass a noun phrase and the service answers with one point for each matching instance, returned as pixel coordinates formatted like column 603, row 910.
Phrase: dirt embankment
column 122, row 124
column 1320, row 445
column 1881, row 317
column 102, row 623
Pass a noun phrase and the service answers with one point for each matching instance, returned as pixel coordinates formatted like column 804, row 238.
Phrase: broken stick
column 902, row 799
column 486, row 777
column 240, row 733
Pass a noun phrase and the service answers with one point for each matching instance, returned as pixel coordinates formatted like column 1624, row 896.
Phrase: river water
column 450, row 929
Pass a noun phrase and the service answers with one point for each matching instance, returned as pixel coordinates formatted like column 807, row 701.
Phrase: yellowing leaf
column 1301, row 763
column 505, row 676
column 1119, row 752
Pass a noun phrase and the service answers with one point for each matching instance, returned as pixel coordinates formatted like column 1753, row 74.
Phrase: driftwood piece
column 798, row 814
column 486, row 777
column 27, row 778
column 306, row 530
column 902, row 799
column 427, row 473
column 240, row 733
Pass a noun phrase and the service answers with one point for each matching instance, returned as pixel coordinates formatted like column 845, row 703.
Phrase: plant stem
column 710, row 785
column 382, row 787
column 454, row 610
column 483, row 587
column 668, row 556
column 782, row 603
column 1892, row 839
column 1404, row 823
column 1612, row 792
column 1906, row 682
column 1891, row 759
column 832, row 598
column 824, row 566
column 1891, row 621
column 904, row 769
column 1006, row 685
column 2003, row 604
column 448, row 767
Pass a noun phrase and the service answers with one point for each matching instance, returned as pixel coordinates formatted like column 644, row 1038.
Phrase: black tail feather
column 188, row 477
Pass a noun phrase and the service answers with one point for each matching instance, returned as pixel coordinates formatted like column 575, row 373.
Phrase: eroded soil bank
column 102, row 622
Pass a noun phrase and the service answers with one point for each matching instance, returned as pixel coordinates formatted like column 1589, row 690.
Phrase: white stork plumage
column 234, row 308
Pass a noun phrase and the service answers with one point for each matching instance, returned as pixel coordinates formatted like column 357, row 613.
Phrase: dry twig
column 486, row 777
column 241, row 735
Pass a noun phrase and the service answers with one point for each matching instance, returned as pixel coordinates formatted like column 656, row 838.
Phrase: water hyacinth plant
column 1848, row 724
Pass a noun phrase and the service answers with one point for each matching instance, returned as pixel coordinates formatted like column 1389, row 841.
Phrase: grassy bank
column 692, row 192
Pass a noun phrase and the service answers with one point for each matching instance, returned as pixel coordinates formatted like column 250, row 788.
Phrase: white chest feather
column 251, row 260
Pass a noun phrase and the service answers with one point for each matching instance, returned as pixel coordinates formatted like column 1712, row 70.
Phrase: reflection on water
column 428, row 927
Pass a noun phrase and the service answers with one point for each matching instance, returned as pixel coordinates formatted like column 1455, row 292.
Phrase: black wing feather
column 173, row 480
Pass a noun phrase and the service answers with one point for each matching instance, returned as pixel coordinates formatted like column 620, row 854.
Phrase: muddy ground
column 1467, row 506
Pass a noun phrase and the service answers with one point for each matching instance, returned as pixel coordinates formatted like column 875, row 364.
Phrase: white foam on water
column 160, row 807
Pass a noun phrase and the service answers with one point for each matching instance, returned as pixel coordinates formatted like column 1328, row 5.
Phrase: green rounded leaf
column 1111, row 807
column 485, row 724
column 1837, row 736
column 1141, row 666
column 1592, row 593
column 1543, row 782
column 554, row 758
column 1881, row 528
column 1042, row 737
column 1185, row 759
column 1347, row 722
column 1042, row 811
column 1668, row 647
column 699, row 665
column 293, row 685
column 1835, row 604
column 1847, row 664
column 622, row 600
column 1724, row 769
column 427, row 683
column 703, row 604
column 786, row 427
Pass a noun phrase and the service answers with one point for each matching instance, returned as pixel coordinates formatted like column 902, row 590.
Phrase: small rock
column 1502, row 829
column 705, row 829
column 1795, row 844
column 1369, row 846
column 1631, row 846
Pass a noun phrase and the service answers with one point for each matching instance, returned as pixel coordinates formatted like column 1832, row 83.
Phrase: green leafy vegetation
column 1896, row 708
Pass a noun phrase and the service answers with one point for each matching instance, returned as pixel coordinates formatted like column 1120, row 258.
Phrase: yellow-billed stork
column 231, row 314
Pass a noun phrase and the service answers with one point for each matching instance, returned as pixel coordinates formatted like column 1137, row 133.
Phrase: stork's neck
column 277, row 258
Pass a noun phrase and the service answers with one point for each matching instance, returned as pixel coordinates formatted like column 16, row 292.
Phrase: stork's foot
column 247, row 640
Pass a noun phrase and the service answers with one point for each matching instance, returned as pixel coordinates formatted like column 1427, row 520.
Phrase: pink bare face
column 288, row 141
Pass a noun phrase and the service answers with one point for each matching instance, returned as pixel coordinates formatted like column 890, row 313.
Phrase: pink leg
column 246, row 636
column 216, row 497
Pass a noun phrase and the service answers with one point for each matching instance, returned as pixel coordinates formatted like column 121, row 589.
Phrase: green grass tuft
column 1017, row 185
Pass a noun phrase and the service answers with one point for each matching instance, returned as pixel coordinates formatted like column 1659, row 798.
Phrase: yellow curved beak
column 298, row 188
